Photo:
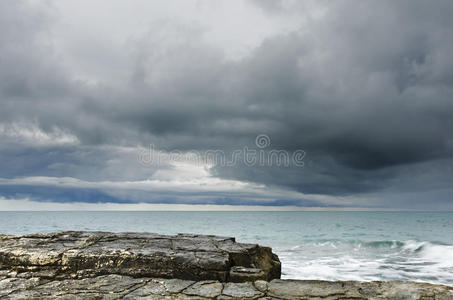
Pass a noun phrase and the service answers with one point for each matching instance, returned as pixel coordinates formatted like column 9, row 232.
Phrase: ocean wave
column 369, row 260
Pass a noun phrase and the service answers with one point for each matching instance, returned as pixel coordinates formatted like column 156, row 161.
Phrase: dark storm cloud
column 366, row 91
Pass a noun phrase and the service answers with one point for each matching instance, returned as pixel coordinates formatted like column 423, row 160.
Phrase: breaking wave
column 369, row 260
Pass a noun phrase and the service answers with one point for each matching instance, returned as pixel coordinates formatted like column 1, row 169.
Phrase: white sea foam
column 375, row 260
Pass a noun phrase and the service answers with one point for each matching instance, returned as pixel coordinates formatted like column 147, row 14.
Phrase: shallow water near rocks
column 366, row 246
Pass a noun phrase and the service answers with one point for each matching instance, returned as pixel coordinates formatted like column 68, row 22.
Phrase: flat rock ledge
column 27, row 286
column 76, row 254
column 102, row 265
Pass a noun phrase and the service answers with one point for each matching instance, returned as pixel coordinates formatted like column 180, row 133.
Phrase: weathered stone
column 159, row 287
column 293, row 289
column 316, row 289
column 98, row 265
column 107, row 287
column 85, row 254
column 261, row 285
column 125, row 287
column 10, row 285
column 207, row 289
column 244, row 290
column 241, row 274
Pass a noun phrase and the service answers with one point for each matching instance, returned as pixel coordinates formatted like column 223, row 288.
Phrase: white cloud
column 31, row 135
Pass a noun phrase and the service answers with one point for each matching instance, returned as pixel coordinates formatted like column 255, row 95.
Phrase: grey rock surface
column 99, row 265
column 183, row 256
column 126, row 287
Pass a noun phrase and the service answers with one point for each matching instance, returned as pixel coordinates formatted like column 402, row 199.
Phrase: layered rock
column 86, row 254
column 100, row 265
column 126, row 287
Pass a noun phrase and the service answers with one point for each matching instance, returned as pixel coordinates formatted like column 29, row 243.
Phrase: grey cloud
column 366, row 91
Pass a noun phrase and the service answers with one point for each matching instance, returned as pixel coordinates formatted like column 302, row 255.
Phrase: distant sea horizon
column 326, row 245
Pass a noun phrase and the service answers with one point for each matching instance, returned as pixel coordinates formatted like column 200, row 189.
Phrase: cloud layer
column 365, row 89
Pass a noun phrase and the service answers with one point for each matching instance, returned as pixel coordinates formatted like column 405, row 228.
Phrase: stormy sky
column 363, row 88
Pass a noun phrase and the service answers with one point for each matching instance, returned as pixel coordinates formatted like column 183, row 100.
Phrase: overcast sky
column 363, row 88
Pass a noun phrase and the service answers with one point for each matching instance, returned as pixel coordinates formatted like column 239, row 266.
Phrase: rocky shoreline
column 103, row 265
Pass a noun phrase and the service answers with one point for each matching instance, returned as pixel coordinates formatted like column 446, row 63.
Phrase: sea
column 327, row 245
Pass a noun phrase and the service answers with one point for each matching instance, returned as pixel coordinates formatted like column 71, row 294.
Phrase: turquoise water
column 311, row 245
